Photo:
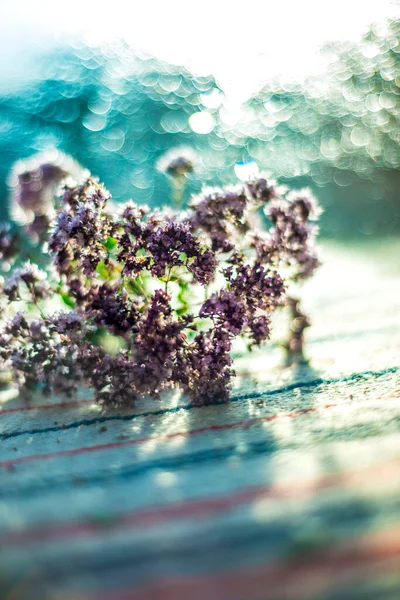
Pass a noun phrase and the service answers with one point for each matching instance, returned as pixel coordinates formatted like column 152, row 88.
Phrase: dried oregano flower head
column 9, row 242
column 177, row 162
column 34, row 182
column 156, row 298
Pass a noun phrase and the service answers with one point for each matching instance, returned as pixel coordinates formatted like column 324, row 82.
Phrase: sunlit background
column 308, row 92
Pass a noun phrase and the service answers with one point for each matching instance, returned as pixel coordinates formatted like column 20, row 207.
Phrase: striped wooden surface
column 289, row 491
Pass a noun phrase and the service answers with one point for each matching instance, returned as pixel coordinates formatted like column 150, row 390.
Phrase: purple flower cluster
column 81, row 229
column 224, row 307
column 253, row 294
column 109, row 305
column 160, row 243
column 262, row 190
column 259, row 287
column 178, row 162
column 44, row 352
column 222, row 214
column 9, row 243
column 207, row 373
column 29, row 277
column 34, row 184
column 292, row 238
column 133, row 278
column 172, row 244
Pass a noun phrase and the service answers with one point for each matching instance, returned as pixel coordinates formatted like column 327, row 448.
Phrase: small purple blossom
column 34, row 183
column 292, row 237
column 304, row 205
column 132, row 216
column 207, row 372
column 259, row 287
column 9, row 242
column 32, row 279
column 260, row 329
column 178, row 162
column 221, row 214
column 170, row 245
column 82, row 229
column 230, row 311
column 109, row 305
column 203, row 267
column 261, row 190
column 158, row 243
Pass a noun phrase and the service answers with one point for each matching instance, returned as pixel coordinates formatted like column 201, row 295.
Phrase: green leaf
column 68, row 300
column 102, row 270
column 135, row 286
column 111, row 243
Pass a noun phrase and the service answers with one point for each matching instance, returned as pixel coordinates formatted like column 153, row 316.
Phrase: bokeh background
column 309, row 93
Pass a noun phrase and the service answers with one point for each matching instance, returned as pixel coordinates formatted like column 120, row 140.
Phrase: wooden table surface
column 290, row 491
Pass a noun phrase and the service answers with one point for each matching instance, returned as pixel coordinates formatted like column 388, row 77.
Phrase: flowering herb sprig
column 177, row 164
column 149, row 300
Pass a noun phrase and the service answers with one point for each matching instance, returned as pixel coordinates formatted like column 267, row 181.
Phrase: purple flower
column 109, row 305
column 82, row 229
column 170, row 245
column 159, row 243
column 257, row 286
column 177, row 162
column 206, row 374
column 228, row 310
column 34, row 183
column 32, row 278
column 261, row 190
column 260, row 329
column 304, row 205
column 9, row 242
column 204, row 267
column 293, row 233
column 159, row 344
column 221, row 214
column 132, row 217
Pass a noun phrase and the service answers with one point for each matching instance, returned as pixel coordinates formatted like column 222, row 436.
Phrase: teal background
column 117, row 112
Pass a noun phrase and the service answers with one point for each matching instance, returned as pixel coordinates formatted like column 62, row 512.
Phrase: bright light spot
column 246, row 170
column 165, row 479
column 201, row 122
column 265, row 509
column 330, row 148
column 99, row 107
column 231, row 113
column 360, row 136
column 371, row 50
column 177, row 442
column 212, row 99
column 148, row 448
column 94, row 122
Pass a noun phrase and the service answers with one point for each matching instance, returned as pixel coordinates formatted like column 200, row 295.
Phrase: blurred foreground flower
column 34, row 183
column 177, row 163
